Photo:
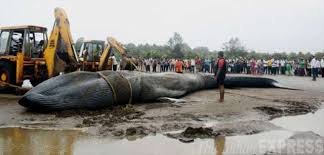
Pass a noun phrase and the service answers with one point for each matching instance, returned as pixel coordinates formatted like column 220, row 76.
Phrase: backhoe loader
column 27, row 53
column 95, row 55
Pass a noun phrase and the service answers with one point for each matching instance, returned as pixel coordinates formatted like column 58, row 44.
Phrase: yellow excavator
column 27, row 53
column 95, row 55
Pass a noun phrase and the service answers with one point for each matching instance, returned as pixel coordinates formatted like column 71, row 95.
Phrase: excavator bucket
column 60, row 55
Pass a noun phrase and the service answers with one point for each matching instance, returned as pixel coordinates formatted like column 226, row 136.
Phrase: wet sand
column 244, row 112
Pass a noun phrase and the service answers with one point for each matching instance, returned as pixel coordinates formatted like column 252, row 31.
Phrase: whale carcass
column 95, row 90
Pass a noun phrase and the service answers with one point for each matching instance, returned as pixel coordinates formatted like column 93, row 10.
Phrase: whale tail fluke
column 278, row 85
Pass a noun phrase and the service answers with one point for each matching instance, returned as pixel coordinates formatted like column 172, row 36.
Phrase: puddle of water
column 257, row 143
column 15, row 141
column 161, row 145
column 20, row 141
column 309, row 122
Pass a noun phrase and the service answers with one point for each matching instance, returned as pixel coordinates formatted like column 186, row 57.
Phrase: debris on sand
column 270, row 110
column 198, row 132
column 107, row 117
column 186, row 140
column 138, row 131
column 227, row 129
column 190, row 133
column 290, row 108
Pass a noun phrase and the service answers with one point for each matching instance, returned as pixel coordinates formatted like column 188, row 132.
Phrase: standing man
column 114, row 62
column 318, row 67
column 283, row 64
column 220, row 73
column 178, row 66
column 213, row 65
column 154, row 65
column 162, row 65
column 265, row 66
column 147, row 65
column 314, row 68
column 173, row 62
column 193, row 65
column 274, row 67
column 270, row 66
column 322, row 67
column 198, row 64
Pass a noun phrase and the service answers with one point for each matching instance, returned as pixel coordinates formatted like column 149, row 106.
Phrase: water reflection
column 16, row 141
column 220, row 145
column 307, row 122
column 250, row 144
column 20, row 141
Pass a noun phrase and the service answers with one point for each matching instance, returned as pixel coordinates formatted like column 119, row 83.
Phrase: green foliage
column 292, row 56
column 177, row 48
column 175, row 40
column 234, row 49
column 148, row 51
column 177, row 51
column 319, row 55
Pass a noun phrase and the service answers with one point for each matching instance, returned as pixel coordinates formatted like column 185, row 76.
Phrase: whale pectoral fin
column 163, row 92
column 171, row 100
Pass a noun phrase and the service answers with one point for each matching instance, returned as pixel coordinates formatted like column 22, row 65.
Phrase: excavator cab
column 21, row 48
column 28, row 40
column 90, row 54
column 91, row 50
column 27, row 53
column 95, row 58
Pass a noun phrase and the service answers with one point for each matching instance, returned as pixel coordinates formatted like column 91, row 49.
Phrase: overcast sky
column 262, row 25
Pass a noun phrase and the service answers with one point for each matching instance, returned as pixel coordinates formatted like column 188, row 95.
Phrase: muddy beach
column 193, row 120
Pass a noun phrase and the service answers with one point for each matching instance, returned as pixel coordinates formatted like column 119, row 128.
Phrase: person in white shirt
column 278, row 65
column 282, row 66
column 322, row 67
column 83, row 55
column 114, row 62
column 318, row 67
column 265, row 65
column 193, row 65
column 147, row 65
column 313, row 67
column 275, row 66
column 173, row 62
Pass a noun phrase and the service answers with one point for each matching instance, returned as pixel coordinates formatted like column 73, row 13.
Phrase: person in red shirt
column 178, row 66
column 220, row 74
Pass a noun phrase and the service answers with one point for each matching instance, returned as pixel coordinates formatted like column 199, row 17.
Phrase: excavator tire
column 7, row 74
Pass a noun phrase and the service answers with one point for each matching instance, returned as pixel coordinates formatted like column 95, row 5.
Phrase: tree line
column 175, row 47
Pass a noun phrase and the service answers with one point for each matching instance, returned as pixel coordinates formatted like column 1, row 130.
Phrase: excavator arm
column 60, row 55
column 112, row 43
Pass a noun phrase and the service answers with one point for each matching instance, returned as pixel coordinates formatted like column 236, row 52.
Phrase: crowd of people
column 300, row 67
column 166, row 65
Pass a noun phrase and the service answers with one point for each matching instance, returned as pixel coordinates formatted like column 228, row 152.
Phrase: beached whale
column 96, row 90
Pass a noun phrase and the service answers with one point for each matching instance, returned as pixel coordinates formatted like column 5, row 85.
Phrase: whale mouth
column 39, row 102
column 79, row 90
